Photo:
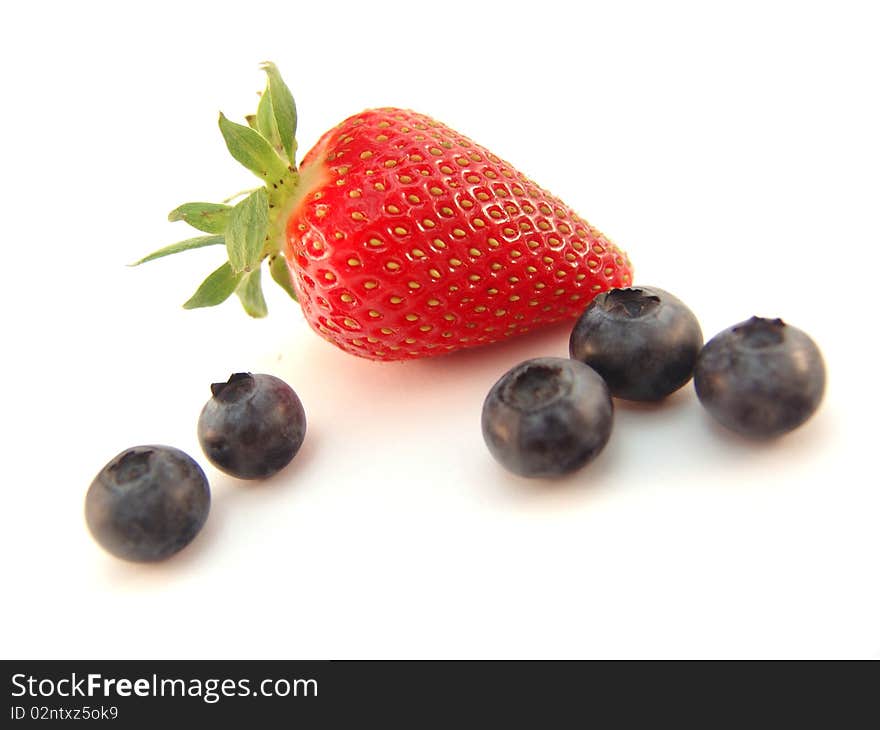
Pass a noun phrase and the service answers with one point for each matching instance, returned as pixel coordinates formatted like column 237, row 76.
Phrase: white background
column 731, row 149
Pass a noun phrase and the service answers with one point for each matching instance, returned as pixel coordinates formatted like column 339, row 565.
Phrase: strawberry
column 400, row 237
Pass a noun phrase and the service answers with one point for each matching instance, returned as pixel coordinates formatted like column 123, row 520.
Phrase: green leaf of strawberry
column 216, row 289
column 188, row 244
column 281, row 275
column 253, row 151
column 207, row 217
column 250, row 292
column 283, row 109
column 246, row 231
column 264, row 121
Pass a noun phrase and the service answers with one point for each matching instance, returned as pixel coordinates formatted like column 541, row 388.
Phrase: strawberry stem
column 253, row 229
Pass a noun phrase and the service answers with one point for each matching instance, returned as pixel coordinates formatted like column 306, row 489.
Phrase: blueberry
column 761, row 377
column 547, row 417
column 253, row 425
column 643, row 341
column 148, row 503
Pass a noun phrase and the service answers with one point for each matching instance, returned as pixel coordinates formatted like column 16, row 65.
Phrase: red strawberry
column 404, row 239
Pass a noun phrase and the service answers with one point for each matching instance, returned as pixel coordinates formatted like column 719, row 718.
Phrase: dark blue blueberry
column 547, row 417
column 253, row 426
column 148, row 503
column 761, row 377
column 643, row 341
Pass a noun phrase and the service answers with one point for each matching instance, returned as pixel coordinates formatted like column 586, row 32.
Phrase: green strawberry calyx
column 251, row 223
